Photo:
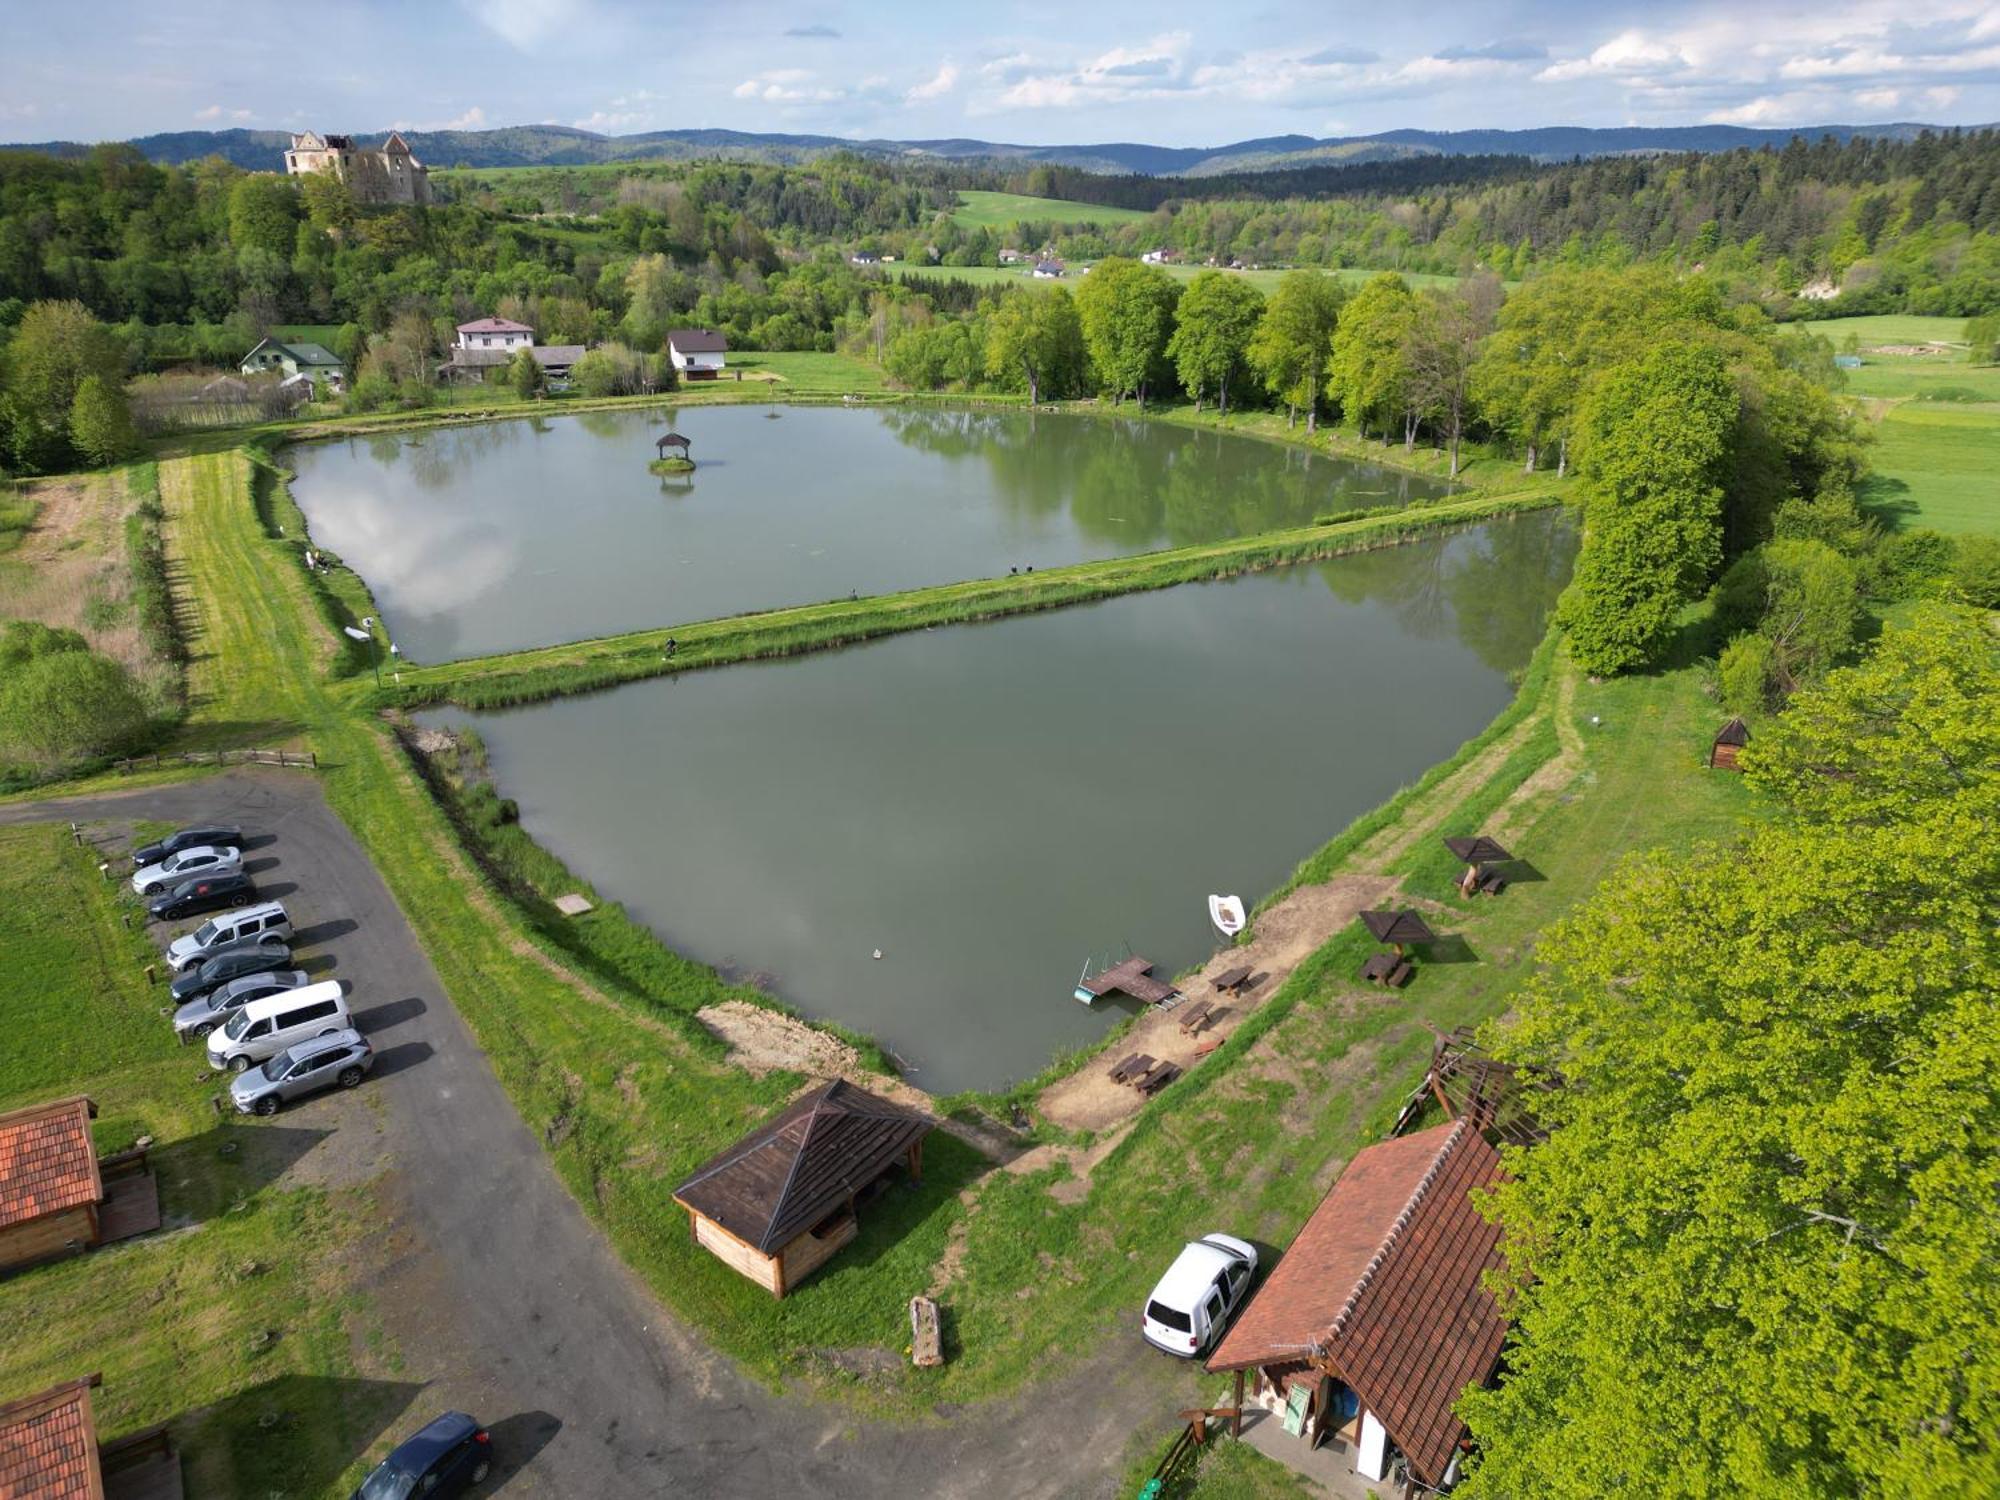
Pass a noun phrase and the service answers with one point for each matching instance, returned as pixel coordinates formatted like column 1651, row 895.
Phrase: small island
column 679, row 464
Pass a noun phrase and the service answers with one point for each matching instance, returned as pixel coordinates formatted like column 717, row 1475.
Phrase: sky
column 1165, row 72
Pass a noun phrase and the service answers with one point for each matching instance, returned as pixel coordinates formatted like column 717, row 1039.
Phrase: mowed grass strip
column 528, row 676
column 174, row 1320
column 988, row 210
column 1935, row 464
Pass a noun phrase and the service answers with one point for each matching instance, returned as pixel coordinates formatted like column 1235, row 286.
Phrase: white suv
column 1192, row 1303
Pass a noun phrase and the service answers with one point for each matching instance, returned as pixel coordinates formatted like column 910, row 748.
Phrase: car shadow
column 318, row 966
column 258, row 841
column 517, row 1440
column 393, row 1013
column 276, row 890
column 324, row 932
column 259, row 866
column 401, row 1057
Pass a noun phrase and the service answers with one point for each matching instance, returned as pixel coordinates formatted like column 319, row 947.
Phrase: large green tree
column 62, row 703
column 1293, row 339
column 1036, row 338
column 1759, row 1254
column 100, row 422
column 1368, row 365
column 1127, row 312
column 58, row 346
column 1654, row 445
column 1213, row 326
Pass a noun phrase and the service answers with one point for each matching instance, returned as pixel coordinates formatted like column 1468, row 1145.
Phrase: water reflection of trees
column 1136, row 483
column 1493, row 587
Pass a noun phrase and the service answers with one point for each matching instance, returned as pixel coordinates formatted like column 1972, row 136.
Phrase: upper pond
column 531, row 532
column 992, row 804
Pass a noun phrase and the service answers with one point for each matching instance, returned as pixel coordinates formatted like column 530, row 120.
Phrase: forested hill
column 561, row 145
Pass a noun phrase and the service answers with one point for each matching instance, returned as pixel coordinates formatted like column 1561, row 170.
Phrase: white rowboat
column 1226, row 912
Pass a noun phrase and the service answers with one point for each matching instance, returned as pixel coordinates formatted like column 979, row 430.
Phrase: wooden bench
column 1209, row 1017
column 1162, row 1075
column 1196, row 1017
column 1132, row 1068
column 1492, row 883
column 1389, row 969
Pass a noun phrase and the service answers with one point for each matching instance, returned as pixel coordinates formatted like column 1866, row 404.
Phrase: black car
column 447, row 1458
column 232, row 962
column 204, row 893
column 219, row 835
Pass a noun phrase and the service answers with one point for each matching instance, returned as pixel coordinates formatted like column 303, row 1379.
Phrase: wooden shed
column 780, row 1202
column 56, row 1196
column 1729, row 742
column 49, row 1451
column 1377, row 1317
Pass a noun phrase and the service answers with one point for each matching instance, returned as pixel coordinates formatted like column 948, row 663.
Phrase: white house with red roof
column 495, row 333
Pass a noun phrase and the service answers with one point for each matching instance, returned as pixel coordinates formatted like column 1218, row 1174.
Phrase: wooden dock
column 1134, row 977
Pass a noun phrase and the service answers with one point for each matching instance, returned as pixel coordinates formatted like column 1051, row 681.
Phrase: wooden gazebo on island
column 1401, row 930
column 671, row 440
column 780, row 1202
column 1729, row 742
column 1480, row 855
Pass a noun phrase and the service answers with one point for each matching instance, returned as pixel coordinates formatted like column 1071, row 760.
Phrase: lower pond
column 993, row 805
column 501, row 535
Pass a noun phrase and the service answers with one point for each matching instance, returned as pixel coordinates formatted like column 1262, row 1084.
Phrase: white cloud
column 1879, row 98
column 1628, row 52
column 624, row 115
column 473, row 119
column 527, row 24
column 1766, row 109
column 1944, row 96
column 213, row 112
column 787, row 86
column 941, row 83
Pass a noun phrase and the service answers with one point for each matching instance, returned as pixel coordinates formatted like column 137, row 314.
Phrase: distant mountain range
column 561, row 145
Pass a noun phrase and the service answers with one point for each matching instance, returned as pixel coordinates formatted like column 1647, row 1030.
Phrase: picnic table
column 1389, row 969
column 1161, row 1075
column 1129, row 1068
column 1203, row 1016
column 1231, row 980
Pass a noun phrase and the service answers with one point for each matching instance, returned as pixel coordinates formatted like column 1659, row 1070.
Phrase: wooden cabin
column 56, row 1196
column 49, row 1450
column 780, row 1203
column 1376, row 1319
column 1729, row 742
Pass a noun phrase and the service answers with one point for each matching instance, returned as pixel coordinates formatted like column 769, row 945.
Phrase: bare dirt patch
column 70, row 569
column 1285, row 936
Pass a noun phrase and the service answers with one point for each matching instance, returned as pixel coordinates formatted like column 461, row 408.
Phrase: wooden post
column 1236, row 1422
column 149, row 974
column 917, row 1160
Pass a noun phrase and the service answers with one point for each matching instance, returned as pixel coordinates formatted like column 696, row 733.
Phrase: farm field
column 1934, row 465
column 1891, row 328
column 322, row 334
column 1266, row 281
column 981, row 210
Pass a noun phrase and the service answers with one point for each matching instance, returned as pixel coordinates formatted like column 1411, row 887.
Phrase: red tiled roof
column 787, row 1175
column 494, row 325
column 47, row 1163
column 48, row 1446
column 1384, row 1284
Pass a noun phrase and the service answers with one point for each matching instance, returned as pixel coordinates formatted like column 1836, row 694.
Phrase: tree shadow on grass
column 290, row 1435
column 1886, row 500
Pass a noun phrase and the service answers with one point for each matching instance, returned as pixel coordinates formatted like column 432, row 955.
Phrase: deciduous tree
column 1368, row 370
column 1127, row 312
column 1213, row 326
column 1293, row 340
column 100, row 422
column 1036, row 336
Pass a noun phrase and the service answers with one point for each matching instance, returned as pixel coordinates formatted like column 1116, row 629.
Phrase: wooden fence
column 305, row 760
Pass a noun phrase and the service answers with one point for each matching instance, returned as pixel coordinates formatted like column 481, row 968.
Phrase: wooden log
column 926, row 1342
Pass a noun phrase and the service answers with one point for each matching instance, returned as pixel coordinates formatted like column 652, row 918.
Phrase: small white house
column 1011, row 257
column 697, row 353
column 1048, row 270
column 1158, row 257
column 864, row 258
column 495, row 333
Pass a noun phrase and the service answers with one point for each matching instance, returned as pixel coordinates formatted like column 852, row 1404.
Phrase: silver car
column 203, row 859
column 198, row 1018
column 339, row 1058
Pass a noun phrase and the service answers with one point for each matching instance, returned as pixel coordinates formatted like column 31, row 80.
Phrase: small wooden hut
column 671, row 440
column 1378, row 1317
column 780, row 1202
column 56, row 1196
column 1729, row 742
column 49, row 1450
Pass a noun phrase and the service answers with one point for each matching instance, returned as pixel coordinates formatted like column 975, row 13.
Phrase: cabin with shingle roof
column 779, row 1203
column 56, row 1196
column 49, row 1451
column 1377, row 1318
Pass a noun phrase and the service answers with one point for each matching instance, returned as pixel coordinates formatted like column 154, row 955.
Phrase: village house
column 779, row 1203
column 698, row 353
column 864, row 258
column 1377, row 1318
column 494, row 333
column 324, row 370
column 1159, row 257
column 49, row 1451
column 388, row 175
column 56, row 1196
column 1011, row 257
column 1048, row 270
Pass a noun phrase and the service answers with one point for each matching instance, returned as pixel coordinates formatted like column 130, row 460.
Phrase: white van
column 266, row 1027
column 266, row 922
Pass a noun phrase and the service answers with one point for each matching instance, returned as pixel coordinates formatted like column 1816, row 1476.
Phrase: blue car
column 447, row 1458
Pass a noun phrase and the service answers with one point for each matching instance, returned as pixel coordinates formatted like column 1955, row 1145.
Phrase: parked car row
column 235, row 988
